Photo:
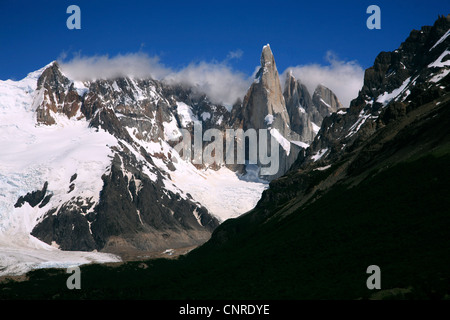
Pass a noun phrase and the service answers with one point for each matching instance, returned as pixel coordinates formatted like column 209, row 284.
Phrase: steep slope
column 299, row 107
column 376, row 169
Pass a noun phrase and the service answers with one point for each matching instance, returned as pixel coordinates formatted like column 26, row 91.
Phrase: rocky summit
column 94, row 165
column 306, row 113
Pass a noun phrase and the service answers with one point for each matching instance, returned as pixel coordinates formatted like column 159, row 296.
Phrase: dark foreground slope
column 391, row 211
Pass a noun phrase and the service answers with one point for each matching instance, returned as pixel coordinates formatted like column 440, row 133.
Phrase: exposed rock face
column 136, row 210
column 265, row 98
column 305, row 113
column 34, row 198
column 397, row 83
column 293, row 116
column 300, row 108
column 418, row 51
column 264, row 107
column 133, row 212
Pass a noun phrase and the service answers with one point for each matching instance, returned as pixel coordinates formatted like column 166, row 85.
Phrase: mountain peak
column 290, row 83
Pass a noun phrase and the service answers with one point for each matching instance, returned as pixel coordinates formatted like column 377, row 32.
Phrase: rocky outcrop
column 397, row 83
column 134, row 213
column 306, row 114
column 301, row 110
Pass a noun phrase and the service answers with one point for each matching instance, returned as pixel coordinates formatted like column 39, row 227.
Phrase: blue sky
column 33, row 33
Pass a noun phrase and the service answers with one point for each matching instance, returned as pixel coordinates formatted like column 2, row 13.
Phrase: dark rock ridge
column 133, row 213
column 305, row 113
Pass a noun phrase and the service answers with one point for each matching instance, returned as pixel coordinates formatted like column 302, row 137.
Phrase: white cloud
column 218, row 80
column 344, row 78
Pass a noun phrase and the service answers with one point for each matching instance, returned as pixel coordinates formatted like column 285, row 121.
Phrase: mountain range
column 356, row 186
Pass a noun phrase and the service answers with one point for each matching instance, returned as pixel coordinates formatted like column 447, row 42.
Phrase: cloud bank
column 344, row 78
column 218, row 80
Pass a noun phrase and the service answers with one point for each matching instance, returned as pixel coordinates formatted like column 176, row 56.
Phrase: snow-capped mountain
column 397, row 83
column 94, row 165
column 285, row 114
column 306, row 113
